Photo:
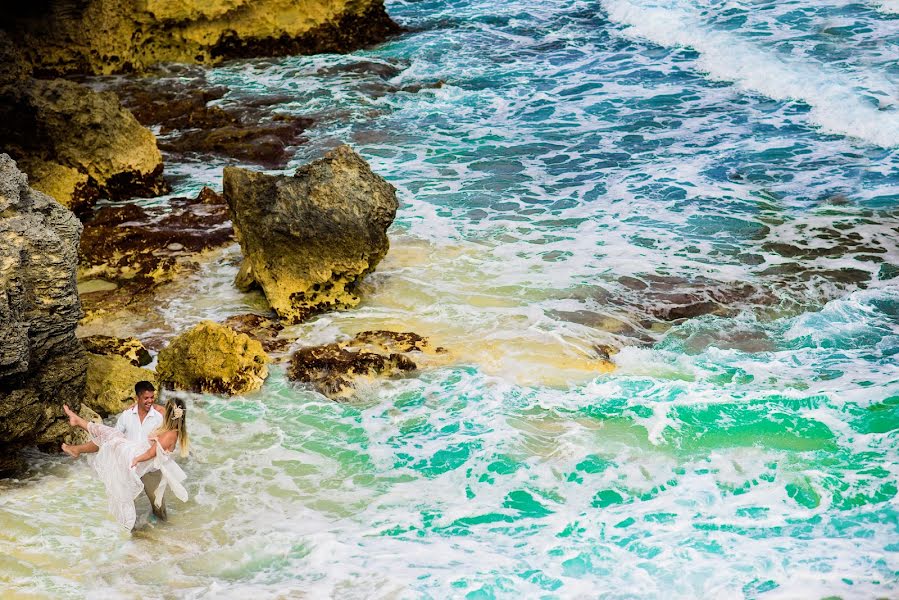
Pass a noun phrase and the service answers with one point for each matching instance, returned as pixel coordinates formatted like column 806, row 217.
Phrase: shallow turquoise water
column 568, row 172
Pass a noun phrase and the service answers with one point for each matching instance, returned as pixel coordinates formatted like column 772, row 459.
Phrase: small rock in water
column 335, row 369
column 215, row 359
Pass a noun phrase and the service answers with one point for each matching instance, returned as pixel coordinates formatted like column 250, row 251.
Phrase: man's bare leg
column 75, row 451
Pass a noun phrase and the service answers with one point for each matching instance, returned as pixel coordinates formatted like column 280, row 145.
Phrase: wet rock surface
column 215, row 359
column 265, row 330
column 135, row 249
column 41, row 360
column 179, row 103
column 128, row 348
column 307, row 240
column 335, row 370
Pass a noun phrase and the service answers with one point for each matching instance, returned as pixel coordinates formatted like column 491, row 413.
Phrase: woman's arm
column 150, row 453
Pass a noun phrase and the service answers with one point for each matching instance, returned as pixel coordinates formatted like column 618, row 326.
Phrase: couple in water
column 136, row 454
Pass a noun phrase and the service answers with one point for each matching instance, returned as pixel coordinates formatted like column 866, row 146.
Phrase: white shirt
column 130, row 424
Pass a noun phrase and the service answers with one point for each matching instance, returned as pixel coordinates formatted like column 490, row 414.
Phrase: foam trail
column 835, row 105
column 888, row 6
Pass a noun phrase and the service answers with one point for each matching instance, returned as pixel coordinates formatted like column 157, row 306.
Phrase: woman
column 121, row 463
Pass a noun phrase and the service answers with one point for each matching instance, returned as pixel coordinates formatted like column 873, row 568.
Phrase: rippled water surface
column 713, row 187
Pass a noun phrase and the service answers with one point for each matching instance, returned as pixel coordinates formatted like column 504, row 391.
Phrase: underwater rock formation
column 335, row 370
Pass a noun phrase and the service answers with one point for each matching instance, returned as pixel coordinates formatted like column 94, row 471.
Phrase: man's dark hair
column 143, row 386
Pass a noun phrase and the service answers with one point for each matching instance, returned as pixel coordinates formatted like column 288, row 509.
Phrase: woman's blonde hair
column 175, row 419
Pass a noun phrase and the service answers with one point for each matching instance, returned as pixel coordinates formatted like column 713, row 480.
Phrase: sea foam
column 837, row 104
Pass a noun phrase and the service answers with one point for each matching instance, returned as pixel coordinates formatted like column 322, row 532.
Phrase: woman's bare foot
column 74, row 419
column 70, row 450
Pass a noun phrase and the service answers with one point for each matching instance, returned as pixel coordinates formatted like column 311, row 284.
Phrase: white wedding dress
column 113, row 465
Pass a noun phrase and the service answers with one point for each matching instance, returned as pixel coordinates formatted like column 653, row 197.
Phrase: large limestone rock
column 309, row 239
column 77, row 144
column 213, row 358
column 110, row 383
column 42, row 363
column 110, row 36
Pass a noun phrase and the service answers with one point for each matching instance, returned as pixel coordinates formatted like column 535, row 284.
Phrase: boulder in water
column 309, row 239
column 213, row 358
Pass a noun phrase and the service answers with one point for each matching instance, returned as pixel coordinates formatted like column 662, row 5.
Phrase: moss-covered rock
column 109, row 36
column 110, row 383
column 335, row 370
column 309, row 239
column 213, row 358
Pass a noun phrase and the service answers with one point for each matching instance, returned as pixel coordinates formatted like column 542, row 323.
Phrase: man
column 137, row 423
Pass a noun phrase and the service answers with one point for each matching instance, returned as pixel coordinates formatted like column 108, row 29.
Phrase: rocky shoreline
column 66, row 145
column 306, row 240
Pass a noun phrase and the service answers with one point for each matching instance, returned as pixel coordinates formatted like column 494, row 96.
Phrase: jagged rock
column 335, row 370
column 108, row 36
column 129, row 348
column 42, row 363
column 77, row 144
column 110, row 383
column 262, row 329
column 213, row 358
column 309, row 239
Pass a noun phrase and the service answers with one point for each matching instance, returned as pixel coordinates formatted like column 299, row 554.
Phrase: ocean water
column 712, row 187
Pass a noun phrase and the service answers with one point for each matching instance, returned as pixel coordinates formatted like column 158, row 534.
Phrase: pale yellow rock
column 65, row 184
column 110, row 383
column 308, row 240
column 213, row 358
column 109, row 36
